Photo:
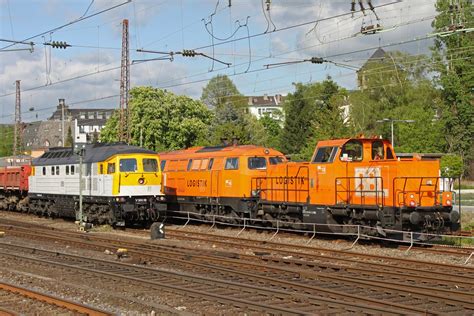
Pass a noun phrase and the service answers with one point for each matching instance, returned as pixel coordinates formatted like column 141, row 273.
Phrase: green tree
column 273, row 128
column 218, row 91
column 454, row 63
column 451, row 166
column 231, row 119
column 312, row 113
column 69, row 140
column 162, row 120
column 6, row 145
column 399, row 87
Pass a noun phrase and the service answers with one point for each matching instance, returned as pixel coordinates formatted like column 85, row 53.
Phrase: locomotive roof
column 93, row 153
column 215, row 151
column 342, row 141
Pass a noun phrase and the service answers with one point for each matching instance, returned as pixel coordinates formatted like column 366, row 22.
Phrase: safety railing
column 287, row 188
column 355, row 192
column 423, row 188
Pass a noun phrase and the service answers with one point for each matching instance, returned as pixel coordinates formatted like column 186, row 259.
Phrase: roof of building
column 76, row 113
column 266, row 100
column 93, row 153
column 378, row 54
column 44, row 134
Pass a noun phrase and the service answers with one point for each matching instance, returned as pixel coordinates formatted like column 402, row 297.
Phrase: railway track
column 16, row 300
column 232, row 294
column 404, row 294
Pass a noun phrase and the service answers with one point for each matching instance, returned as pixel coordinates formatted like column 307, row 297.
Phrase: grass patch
column 465, row 184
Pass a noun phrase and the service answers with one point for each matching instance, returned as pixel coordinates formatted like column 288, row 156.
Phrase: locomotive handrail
column 379, row 194
column 436, row 190
column 286, row 189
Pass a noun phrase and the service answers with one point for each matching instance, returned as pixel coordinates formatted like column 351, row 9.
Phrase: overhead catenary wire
column 175, row 79
column 379, row 70
column 71, row 22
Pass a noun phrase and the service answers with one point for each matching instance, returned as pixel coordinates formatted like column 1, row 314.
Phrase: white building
column 260, row 105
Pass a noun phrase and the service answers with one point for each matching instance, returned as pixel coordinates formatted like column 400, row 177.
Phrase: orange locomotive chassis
column 357, row 181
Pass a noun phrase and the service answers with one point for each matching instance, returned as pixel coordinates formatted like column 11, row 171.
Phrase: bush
column 451, row 166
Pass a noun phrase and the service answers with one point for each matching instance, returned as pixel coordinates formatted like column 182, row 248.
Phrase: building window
column 44, row 171
column 57, row 170
column 72, row 170
column 67, row 170
column 52, row 170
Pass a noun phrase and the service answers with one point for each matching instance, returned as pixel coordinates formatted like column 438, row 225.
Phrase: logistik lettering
column 197, row 183
column 290, row 180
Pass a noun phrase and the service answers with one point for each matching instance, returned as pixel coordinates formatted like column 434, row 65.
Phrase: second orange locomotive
column 348, row 182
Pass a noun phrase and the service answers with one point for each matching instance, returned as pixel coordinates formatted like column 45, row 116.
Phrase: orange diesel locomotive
column 215, row 180
column 358, row 182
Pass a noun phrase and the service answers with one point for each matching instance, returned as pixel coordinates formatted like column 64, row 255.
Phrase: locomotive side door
column 215, row 183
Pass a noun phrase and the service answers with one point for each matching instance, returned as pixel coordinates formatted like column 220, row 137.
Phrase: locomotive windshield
column 150, row 165
column 325, row 154
column 128, row 165
column 257, row 163
column 352, row 151
column 275, row 160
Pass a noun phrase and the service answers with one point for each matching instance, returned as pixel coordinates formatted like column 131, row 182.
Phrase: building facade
column 271, row 105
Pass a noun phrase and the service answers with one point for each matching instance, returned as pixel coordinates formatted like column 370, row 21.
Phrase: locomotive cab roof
column 93, row 153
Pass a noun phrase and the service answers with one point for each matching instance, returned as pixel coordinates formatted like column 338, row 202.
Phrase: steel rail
column 52, row 300
column 145, row 275
column 388, row 286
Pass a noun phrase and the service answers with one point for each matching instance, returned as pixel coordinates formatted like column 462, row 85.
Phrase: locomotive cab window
column 150, row 165
column 259, row 163
column 377, row 150
column 325, row 154
column 352, row 151
column 211, row 162
column 275, row 160
column 163, row 165
column 111, row 168
column 204, row 164
column 231, row 164
column 128, row 165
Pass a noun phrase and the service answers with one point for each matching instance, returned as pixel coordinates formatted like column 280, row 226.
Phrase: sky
column 244, row 34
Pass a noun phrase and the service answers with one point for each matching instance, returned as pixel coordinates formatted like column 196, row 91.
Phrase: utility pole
column 124, row 124
column 62, row 104
column 17, row 131
column 385, row 120
column 80, row 151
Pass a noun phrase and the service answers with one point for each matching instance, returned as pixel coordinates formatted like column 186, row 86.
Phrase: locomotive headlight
column 448, row 202
column 412, row 203
column 141, row 181
column 412, row 196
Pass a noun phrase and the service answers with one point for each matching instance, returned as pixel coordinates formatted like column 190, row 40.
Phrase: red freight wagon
column 14, row 186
